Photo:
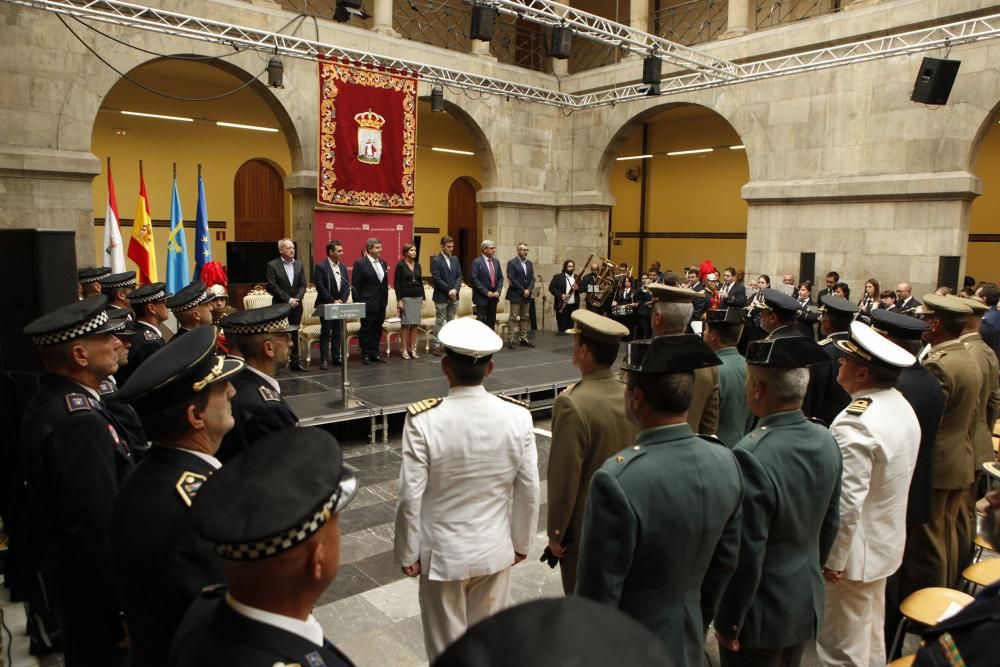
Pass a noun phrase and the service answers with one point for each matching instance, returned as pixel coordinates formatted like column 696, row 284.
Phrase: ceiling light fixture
column 738, row 147
column 633, row 157
column 454, row 151
column 157, row 115
column 241, row 126
column 694, row 151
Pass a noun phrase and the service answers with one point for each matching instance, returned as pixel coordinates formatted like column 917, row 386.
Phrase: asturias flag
column 202, row 245
column 113, row 254
column 141, row 247
column 177, row 254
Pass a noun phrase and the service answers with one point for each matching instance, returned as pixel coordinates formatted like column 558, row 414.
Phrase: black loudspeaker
column 948, row 272
column 652, row 70
column 560, row 43
column 40, row 273
column 807, row 267
column 483, row 18
column 934, row 80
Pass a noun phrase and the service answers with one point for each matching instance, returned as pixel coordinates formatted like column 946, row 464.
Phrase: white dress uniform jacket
column 468, row 491
column 879, row 448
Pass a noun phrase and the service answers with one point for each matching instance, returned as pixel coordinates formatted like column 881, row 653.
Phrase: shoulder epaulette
column 188, row 485
column 106, row 388
column 269, row 394
column 817, row 420
column 625, row 455
column 423, row 406
column 826, row 341
column 76, row 403
column 214, row 591
column 713, row 439
column 514, row 401
column 859, row 406
column 568, row 389
column 149, row 335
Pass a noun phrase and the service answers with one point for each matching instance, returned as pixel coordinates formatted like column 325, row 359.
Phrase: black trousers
column 329, row 332
column 370, row 334
column 487, row 314
column 564, row 319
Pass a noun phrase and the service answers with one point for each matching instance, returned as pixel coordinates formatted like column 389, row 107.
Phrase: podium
column 343, row 312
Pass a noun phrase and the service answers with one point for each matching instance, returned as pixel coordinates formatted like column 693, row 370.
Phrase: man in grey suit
column 521, row 279
column 487, row 283
column 286, row 281
column 446, row 273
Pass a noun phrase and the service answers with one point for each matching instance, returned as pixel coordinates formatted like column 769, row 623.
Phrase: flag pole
column 199, row 171
column 175, row 170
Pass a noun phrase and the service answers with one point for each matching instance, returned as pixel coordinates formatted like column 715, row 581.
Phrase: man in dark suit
column 286, row 281
column 521, row 276
column 370, row 282
column 989, row 328
column 487, row 281
column 565, row 295
column 832, row 279
column 732, row 294
column 161, row 563
column 825, row 398
column 447, row 275
column 701, row 303
column 332, row 286
column 906, row 303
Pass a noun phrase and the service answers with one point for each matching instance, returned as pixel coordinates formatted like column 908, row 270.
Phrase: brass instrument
column 607, row 282
column 576, row 285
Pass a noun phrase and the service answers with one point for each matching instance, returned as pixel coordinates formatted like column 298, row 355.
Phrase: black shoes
column 324, row 365
column 527, row 343
column 378, row 360
column 298, row 367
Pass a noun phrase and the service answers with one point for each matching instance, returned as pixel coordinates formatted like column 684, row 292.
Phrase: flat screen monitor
column 246, row 261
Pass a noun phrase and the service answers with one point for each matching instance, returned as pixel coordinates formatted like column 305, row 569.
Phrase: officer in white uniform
column 468, row 490
column 878, row 435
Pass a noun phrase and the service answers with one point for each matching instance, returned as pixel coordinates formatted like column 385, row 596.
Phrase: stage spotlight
column 437, row 99
column 483, row 18
column 560, row 43
column 275, row 73
column 348, row 8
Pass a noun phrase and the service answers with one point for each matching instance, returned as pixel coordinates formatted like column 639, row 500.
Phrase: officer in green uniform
column 791, row 472
column 722, row 331
column 588, row 426
column 661, row 528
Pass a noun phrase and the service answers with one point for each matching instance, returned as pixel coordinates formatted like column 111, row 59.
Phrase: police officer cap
column 724, row 317
column 469, row 341
column 118, row 280
column 179, row 371
column 86, row 317
column 669, row 354
column 674, row 294
column 978, row 307
column 775, row 300
column 92, row 274
column 188, row 297
column 270, row 319
column 597, row 327
column 126, row 326
column 896, row 325
column 868, row 347
column 151, row 293
column 944, row 306
column 835, row 304
column 549, row 633
column 273, row 496
column 785, row 352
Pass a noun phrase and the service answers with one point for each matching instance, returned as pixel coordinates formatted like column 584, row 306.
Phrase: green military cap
column 674, row 294
column 978, row 307
column 597, row 327
column 944, row 306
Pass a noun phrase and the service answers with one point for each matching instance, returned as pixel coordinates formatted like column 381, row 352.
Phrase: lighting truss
column 701, row 75
column 600, row 29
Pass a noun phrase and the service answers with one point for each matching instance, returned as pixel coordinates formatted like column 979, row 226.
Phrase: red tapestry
column 367, row 137
column 353, row 229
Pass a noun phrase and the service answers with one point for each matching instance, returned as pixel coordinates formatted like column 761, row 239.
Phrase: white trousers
column 447, row 608
column 853, row 631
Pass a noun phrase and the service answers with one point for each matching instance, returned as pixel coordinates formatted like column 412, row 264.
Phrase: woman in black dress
column 409, row 299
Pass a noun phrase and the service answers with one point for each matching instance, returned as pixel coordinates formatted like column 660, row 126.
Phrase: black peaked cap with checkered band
column 118, row 280
column 86, row 317
column 176, row 374
column 151, row 293
column 92, row 274
column 188, row 297
column 275, row 495
column 269, row 319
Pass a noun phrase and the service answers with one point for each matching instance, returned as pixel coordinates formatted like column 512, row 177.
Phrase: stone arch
column 977, row 141
column 484, row 151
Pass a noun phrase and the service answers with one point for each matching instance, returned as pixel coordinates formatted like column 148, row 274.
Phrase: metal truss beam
column 697, row 78
column 600, row 29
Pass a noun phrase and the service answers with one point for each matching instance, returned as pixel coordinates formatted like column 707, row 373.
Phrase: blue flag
column 177, row 255
column 202, row 246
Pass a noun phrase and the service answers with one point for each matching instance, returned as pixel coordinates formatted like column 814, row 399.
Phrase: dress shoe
column 378, row 360
column 527, row 343
column 324, row 365
column 365, row 360
column 298, row 367
column 437, row 351
column 337, row 362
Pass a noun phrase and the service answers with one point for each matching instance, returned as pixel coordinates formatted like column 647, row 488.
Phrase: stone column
column 638, row 15
column 302, row 186
column 740, row 21
column 480, row 48
column 382, row 17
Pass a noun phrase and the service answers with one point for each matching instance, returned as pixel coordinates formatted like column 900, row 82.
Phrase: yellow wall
column 982, row 260
column 685, row 194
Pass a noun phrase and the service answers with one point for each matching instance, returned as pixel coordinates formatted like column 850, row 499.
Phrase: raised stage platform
column 534, row 375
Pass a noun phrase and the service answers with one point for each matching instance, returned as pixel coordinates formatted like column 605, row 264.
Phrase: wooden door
column 259, row 202
column 462, row 222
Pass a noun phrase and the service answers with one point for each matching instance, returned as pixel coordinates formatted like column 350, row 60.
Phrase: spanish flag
column 141, row 248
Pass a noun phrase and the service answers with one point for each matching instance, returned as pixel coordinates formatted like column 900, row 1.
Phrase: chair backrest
column 309, row 305
column 390, row 307
column 258, row 297
column 427, row 309
column 464, row 300
column 504, row 305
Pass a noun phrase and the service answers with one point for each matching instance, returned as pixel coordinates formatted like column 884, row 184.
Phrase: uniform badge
column 106, row 388
column 514, row 401
column 188, row 485
column 114, row 435
column 268, row 394
column 859, row 406
column 76, row 402
column 315, row 659
column 149, row 335
column 423, row 406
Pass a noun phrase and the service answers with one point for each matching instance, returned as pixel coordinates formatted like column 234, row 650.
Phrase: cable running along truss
column 706, row 72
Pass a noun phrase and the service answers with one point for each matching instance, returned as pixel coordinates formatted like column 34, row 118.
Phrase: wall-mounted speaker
column 807, row 267
column 948, row 266
column 934, row 80
column 560, row 43
column 483, row 19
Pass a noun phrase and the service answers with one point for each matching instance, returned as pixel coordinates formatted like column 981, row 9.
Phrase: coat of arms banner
column 367, row 137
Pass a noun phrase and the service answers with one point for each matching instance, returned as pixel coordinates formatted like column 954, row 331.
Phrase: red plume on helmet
column 213, row 273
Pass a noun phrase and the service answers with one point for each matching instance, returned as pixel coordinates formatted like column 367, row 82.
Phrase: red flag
column 141, row 248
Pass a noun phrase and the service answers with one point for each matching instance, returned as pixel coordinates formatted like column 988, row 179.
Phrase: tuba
column 607, row 281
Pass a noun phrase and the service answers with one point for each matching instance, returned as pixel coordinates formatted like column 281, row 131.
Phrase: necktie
column 378, row 270
column 493, row 275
